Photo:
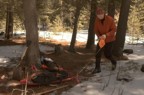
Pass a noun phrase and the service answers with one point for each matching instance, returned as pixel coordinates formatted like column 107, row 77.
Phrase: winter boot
column 114, row 64
column 96, row 70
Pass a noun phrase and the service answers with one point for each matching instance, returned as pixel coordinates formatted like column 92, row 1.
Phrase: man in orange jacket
column 105, row 30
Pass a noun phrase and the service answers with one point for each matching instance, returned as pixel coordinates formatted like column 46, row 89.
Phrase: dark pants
column 107, row 49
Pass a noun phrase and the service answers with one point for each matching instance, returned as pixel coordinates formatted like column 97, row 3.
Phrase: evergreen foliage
column 49, row 11
column 136, row 19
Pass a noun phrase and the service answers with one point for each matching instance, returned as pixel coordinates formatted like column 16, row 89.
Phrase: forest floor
column 127, row 79
column 73, row 62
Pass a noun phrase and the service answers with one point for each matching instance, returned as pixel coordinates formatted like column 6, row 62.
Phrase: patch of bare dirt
column 72, row 62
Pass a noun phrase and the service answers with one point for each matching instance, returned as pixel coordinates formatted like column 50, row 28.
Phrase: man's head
column 100, row 13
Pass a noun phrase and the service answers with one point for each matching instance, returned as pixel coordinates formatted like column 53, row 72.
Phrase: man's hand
column 102, row 37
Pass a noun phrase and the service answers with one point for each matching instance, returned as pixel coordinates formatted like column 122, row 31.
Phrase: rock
column 142, row 68
column 128, row 51
column 125, row 77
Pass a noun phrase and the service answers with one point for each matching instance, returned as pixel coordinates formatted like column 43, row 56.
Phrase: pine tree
column 135, row 20
column 141, row 15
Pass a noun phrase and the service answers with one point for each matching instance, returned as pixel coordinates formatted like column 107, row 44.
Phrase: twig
column 17, row 90
column 87, row 64
column 83, row 68
column 32, row 91
column 48, row 91
column 25, row 91
column 22, row 91
column 77, row 75
column 22, row 57
column 26, row 84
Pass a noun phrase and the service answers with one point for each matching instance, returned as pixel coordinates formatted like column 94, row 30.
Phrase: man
column 105, row 30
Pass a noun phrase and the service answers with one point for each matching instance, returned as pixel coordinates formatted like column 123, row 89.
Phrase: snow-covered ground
column 81, row 36
column 13, row 52
column 17, row 50
column 104, row 83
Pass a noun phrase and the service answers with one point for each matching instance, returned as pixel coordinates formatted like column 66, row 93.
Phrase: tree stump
column 58, row 49
column 18, row 73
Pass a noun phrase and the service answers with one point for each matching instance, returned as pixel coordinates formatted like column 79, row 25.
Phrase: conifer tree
column 135, row 22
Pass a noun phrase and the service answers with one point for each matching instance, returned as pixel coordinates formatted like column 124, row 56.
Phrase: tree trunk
column 77, row 14
column 111, row 8
column 9, row 21
column 121, row 29
column 30, row 14
column 91, row 34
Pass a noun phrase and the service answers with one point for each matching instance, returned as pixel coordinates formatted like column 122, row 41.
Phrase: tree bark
column 30, row 15
column 121, row 29
column 91, row 34
column 9, row 21
column 77, row 14
column 111, row 8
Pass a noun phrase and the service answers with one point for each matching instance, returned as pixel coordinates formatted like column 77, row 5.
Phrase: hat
column 99, row 11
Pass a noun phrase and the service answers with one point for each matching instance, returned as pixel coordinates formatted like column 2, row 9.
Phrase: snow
column 104, row 83
column 13, row 52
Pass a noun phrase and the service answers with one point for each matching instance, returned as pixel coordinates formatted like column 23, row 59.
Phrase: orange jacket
column 108, row 28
